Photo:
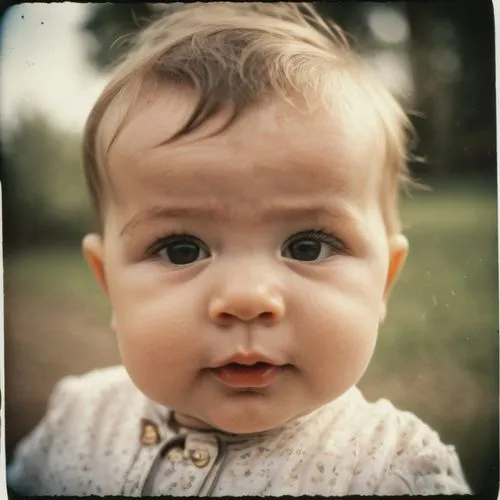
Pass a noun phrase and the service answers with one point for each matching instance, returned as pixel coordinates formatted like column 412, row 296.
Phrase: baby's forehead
column 162, row 110
column 289, row 151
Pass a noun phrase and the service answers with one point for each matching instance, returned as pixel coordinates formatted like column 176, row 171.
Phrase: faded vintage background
column 438, row 351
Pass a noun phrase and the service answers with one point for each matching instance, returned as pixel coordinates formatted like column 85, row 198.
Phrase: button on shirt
column 102, row 436
column 186, row 467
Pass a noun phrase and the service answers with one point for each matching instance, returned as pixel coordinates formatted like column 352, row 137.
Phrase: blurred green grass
column 55, row 270
column 437, row 353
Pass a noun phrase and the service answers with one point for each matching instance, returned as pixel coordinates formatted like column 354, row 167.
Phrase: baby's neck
column 179, row 421
column 182, row 424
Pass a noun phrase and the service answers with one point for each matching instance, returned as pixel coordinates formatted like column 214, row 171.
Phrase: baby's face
column 264, row 243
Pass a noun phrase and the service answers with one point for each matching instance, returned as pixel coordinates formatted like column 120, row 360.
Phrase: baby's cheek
column 159, row 366
column 151, row 334
column 339, row 336
column 350, row 340
column 155, row 344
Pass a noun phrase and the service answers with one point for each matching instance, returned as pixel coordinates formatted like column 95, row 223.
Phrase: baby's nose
column 247, row 302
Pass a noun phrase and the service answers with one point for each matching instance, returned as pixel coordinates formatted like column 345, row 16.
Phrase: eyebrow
column 212, row 212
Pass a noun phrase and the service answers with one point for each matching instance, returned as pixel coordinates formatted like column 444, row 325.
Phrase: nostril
column 266, row 316
column 224, row 316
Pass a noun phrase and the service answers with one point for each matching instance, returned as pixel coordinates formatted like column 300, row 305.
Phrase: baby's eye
column 181, row 250
column 310, row 246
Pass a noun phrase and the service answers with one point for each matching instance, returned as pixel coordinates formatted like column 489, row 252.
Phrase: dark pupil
column 183, row 252
column 305, row 249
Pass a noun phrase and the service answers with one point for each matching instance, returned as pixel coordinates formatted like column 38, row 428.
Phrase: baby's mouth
column 255, row 366
column 256, row 375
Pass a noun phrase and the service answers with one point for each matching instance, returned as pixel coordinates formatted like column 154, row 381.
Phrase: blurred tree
column 44, row 190
column 110, row 26
column 476, row 121
column 432, row 97
column 452, row 53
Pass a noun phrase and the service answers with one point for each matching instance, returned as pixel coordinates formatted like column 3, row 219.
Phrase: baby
column 245, row 169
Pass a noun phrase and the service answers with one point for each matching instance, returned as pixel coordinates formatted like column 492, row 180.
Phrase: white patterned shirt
column 102, row 436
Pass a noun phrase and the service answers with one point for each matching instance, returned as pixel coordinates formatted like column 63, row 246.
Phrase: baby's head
column 245, row 168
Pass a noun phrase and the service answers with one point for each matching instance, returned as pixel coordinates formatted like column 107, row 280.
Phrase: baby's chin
column 232, row 419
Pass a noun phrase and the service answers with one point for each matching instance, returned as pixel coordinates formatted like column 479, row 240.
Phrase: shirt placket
column 183, row 466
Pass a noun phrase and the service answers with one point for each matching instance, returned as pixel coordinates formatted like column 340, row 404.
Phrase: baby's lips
column 257, row 375
column 248, row 359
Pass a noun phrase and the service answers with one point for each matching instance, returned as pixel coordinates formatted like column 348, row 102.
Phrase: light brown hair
column 237, row 54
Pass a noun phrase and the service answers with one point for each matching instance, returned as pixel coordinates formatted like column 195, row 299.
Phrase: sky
column 43, row 64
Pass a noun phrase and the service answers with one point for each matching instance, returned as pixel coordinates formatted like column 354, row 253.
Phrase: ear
column 398, row 251
column 93, row 251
